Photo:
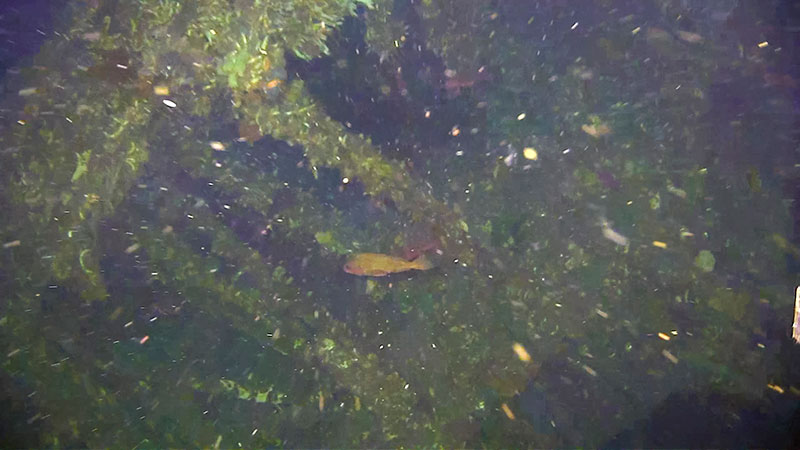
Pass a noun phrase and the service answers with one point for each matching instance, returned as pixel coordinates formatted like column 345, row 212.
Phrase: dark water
column 607, row 192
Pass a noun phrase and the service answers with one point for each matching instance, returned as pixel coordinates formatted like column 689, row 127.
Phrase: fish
column 455, row 82
column 378, row 264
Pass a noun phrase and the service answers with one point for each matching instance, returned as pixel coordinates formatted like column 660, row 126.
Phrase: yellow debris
column 664, row 336
column 659, row 244
column 763, row 44
column 161, row 89
column 776, row 388
column 508, row 411
column 522, row 354
column 357, row 403
column 530, row 153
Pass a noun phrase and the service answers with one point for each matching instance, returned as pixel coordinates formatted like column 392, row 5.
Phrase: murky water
column 605, row 192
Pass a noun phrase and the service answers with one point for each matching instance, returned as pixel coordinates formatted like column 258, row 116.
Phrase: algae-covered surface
column 606, row 191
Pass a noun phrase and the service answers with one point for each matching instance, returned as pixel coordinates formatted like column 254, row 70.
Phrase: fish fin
column 423, row 263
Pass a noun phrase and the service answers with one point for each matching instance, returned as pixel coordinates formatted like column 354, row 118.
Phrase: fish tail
column 423, row 263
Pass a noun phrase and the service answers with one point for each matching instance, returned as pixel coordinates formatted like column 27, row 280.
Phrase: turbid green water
column 606, row 190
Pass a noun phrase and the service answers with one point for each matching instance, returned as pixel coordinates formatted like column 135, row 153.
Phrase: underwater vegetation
column 584, row 189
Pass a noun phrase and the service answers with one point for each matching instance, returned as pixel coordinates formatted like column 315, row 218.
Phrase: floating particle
column 92, row 36
column 345, row 180
column 574, row 25
column 144, row 339
column 510, row 159
column 530, row 153
column 27, row 91
column 161, row 89
column 455, row 131
column 508, row 412
column 601, row 313
column 427, row 114
column 669, row 356
column 664, row 336
column 521, row 352
column 115, row 314
column 169, row 103
column 596, row 130
column 659, row 244
column 776, row 388
column 14, row 243
column 688, row 36
column 636, row 30
column 521, row 116
column 273, row 84
column 763, row 44
column 614, row 236
column 589, row 370
column 796, row 323
column 217, row 145
column 321, row 402
column 658, row 35
column 132, row 248
column 357, row 403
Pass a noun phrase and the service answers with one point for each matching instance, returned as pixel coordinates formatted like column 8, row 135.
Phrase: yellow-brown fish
column 378, row 265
